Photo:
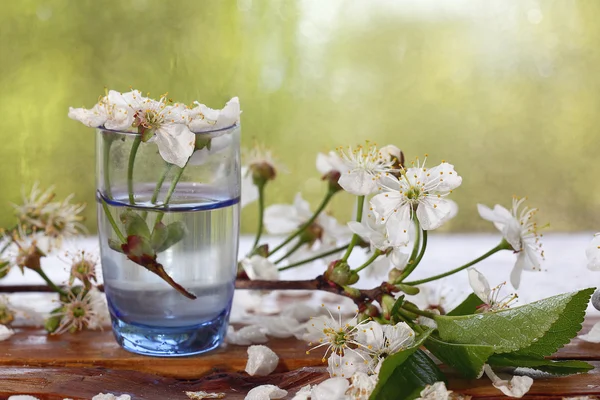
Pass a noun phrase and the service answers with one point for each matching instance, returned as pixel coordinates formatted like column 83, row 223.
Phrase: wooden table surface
column 81, row 365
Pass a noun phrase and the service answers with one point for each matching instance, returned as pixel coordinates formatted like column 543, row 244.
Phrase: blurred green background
column 506, row 90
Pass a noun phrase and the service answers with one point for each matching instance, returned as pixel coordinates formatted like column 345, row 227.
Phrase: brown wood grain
column 81, row 365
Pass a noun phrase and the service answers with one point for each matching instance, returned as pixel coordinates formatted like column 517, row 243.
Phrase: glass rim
column 230, row 127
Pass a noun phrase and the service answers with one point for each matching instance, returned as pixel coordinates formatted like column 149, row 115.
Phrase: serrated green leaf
column 395, row 360
column 553, row 367
column 134, row 224
column 562, row 330
column 507, row 330
column 410, row 378
column 467, row 359
column 175, row 232
column 468, row 306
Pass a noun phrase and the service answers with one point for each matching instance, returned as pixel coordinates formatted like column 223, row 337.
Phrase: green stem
column 107, row 143
column 376, row 254
column 159, row 184
column 49, row 282
column 314, row 258
column 291, row 251
column 132, row 154
column 411, row 267
column 322, row 206
column 417, row 243
column 355, row 237
column 261, row 212
column 415, row 310
column 170, row 192
column 112, row 221
column 502, row 246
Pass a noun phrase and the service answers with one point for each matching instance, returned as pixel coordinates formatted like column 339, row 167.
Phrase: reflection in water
column 504, row 89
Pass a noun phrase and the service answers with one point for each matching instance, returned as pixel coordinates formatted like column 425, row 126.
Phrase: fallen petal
column 261, row 361
column 204, row 395
column 516, row 387
column 303, row 394
column 266, row 392
column 593, row 336
column 110, row 396
column 22, row 397
column 251, row 334
column 5, row 332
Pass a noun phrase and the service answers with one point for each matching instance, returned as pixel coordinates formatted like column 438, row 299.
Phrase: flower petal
column 251, row 334
column 303, row 394
column 516, row 387
column 266, row 392
column 437, row 391
column 258, row 267
column 447, row 177
column 480, row 285
column 359, row 182
column 515, row 274
column 347, row 365
column 331, row 389
column 5, row 332
column 93, row 118
column 432, row 213
column 397, row 227
column 281, row 219
column 261, row 361
column 249, row 189
column 175, row 143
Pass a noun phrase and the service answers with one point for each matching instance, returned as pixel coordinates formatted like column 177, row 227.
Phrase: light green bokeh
column 506, row 90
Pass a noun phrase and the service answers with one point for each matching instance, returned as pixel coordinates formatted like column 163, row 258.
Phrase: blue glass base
column 171, row 342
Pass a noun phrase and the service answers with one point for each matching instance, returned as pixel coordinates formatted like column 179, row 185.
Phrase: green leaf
column 395, row 360
column 468, row 306
column 175, row 232
column 396, row 309
column 516, row 328
column 410, row 378
column 134, row 224
column 159, row 235
column 115, row 245
column 563, row 330
column 468, row 359
column 550, row 366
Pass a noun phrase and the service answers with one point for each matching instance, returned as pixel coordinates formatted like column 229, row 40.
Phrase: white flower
column 261, row 360
column 82, row 266
column 249, row 189
column 384, row 340
column 251, row 334
column 284, row 219
column 437, row 391
column 93, row 118
column 258, row 267
column 113, row 111
column 202, row 118
column 330, row 162
column 392, row 153
column 303, row 394
column 266, row 392
column 376, row 234
column 110, row 396
column 593, row 253
column 516, row 387
column 520, row 232
column 338, row 336
column 593, row 336
column 5, row 332
column 85, row 310
column 57, row 220
column 364, row 166
column 418, row 192
column 331, row 389
column 438, row 296
column 490, row 297
column 362, row 386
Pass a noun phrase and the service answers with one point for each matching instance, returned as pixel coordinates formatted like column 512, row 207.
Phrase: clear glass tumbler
column 168, row 240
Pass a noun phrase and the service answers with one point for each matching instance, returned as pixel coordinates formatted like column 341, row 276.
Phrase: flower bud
column 312, row 233
column 51, row 324
column 262, row 173
column 339, row 272
column 394, row 274
column 332, row 178
column 411, row 290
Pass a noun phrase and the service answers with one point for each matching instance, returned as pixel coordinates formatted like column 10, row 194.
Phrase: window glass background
column 506, row 90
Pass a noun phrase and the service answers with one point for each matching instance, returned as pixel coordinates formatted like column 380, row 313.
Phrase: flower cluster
column 172, row 126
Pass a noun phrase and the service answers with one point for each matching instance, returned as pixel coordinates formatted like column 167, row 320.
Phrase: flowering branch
column 328, row 197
